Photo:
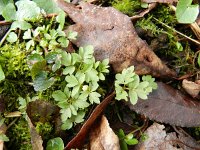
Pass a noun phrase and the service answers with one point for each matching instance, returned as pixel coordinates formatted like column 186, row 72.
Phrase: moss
column 128, row 7
column 44, row 130
column 19, row 136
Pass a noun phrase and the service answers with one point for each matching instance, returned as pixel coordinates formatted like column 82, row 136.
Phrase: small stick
column 151, row 6
column 189, row 38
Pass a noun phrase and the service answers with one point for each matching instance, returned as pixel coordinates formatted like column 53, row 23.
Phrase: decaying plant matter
column 114, row 38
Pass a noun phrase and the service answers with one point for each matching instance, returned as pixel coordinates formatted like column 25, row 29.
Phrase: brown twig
column 151, row 6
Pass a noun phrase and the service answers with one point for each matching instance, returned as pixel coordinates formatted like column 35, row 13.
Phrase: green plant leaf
column 73, row 110
column 121, row 94
column 185, row 12
column 133, row 141
column 198, row 61
column 92, row 75
column 94, row 97
column 22, row 103
column 51, row 57
column 49, row 6
column 2, row 75
column 81, row 104
column 12, row 37
column 72, row 35
column 57, row 64
column 75, row 90
column 55, row 144
column 38, row 68
column 27, row 34
column 26, row 9
column 80, row 117
column 141, row 94
column 69, row 70
column 129, row 136
column 41, row 82
column 3, row 137
column 133, row 97
column 67, row 125
column 66, row 58
column 3, row 4
column 23, row 25
column 59, row 96
column 9, row 12
column 63, row 41
column 34, row 58
column 71, row 80
column 29, row 44
column 65, row 114
column 61, row 20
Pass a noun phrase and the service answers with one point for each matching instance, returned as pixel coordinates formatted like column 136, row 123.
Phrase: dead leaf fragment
column 158, row 139
column 3, row 129
column 113, row 36
column 169, row 105
column 36, row 139
column 102, row 137
column 160, row 1
column 191, row 88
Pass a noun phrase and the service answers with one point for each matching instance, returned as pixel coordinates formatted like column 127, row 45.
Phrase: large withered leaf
column 113, row 36
column 169, row 105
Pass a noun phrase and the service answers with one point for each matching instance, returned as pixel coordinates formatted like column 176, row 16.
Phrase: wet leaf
column 129, row 50
column 102, row 136
column 169, row 105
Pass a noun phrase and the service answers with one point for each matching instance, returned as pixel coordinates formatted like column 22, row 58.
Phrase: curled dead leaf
column 191, row 88
column 102, row 136
column 36, row 139
column 113, row 36
column 170, row 106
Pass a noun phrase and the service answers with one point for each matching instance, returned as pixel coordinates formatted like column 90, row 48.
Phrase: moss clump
column 19, row 136
column 128, row 7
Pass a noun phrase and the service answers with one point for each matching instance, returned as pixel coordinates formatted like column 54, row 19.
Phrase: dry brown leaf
column 3, row 129
column 191, row 88
column 158, row 139
column 46, row 111
column 102, row 136
column 113, row 36
column 160, row 1
column 36, row 139
column 169, row 105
